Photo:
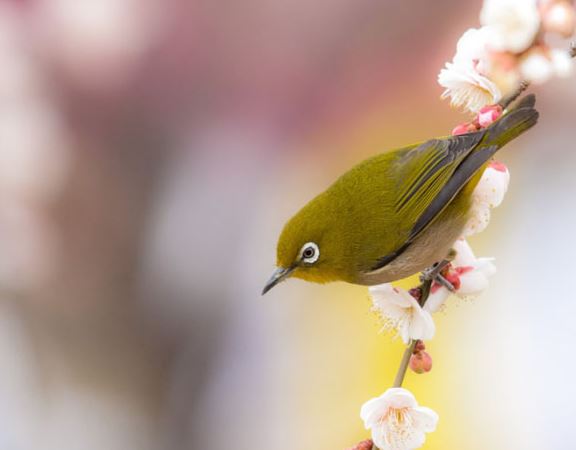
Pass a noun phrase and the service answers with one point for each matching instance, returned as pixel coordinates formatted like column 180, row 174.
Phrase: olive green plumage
column 396, row 213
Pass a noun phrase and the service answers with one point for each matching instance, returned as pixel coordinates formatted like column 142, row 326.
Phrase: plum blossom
column 396, row 420
column 100, row 43
column 510, row 47
column 472, row 48
column 400, row 311
column 488, row 194
column 562, row 62
column 469, row 276
column 467, row 88
column 488, row 115
column 536, row 67
column 513, row 24
column 464, row 79
column 540, row 64
column 420, row 362
column 558, row 17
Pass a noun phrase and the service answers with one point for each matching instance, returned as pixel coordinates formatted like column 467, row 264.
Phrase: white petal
column 373, row 410
column 399, row 398
column 492, row 186
column 472, row 283
column 414, row 439
column 390, row 433
column 386, row 293
column 562, row 63
column 425, row 419
column 479, row 217
column 421, row 326
column 389, row 311
column 467, row 88
column 472, row 46
column 536, row 67
column 464, row 254
column 404, row 331
column 514, row 23
column 486, row 266
column 436, row 300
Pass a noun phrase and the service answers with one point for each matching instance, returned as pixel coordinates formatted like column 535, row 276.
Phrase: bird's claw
column 440, row 279
column 432, row 273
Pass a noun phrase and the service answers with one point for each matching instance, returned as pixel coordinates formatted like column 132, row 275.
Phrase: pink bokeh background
column 150, row 152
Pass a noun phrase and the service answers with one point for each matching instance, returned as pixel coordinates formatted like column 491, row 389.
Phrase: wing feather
column 429, row 176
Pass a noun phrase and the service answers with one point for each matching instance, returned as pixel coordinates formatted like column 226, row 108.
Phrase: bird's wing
column 429, row 177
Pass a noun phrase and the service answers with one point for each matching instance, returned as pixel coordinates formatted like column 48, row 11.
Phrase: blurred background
column 150, row 152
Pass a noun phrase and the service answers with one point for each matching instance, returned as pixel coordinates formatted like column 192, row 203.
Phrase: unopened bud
column 416, row 293
column 488, row 115
column 421, row 362
column 497, row 165
column 419, row 346
column 364, row 445
column 463, row 128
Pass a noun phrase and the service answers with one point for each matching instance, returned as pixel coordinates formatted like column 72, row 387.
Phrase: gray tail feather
column 520, row 118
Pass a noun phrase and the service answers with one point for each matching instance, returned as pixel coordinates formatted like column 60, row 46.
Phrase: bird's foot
column 440, row 279
column 432, row 273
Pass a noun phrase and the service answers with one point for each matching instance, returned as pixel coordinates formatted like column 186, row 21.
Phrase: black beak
column 279, row 275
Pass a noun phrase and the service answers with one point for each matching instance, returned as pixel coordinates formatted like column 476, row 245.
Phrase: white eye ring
column 310, row 253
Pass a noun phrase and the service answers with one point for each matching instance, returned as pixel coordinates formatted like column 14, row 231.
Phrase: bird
column 394, row 214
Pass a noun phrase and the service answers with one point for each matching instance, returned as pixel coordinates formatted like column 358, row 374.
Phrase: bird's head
column 307, row 249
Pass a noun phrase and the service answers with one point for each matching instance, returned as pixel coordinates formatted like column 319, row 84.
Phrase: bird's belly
column 431, row 246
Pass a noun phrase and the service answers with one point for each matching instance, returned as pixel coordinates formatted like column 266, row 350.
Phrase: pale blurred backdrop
column 150, row 152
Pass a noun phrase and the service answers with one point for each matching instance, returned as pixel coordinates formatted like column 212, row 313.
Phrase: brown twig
column 506, row 101
column 427, row 278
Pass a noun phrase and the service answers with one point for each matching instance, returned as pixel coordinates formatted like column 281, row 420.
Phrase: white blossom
column 488, row 194
column 536, row 67
column 98, row 43
column 402, row 312
column 559, row 17
column 469, row 276
column 396, row 421
column 467, row 88
column 541, row 64
column 562, row 63
column 464, row 79
column 513, row 24
column 472, row 48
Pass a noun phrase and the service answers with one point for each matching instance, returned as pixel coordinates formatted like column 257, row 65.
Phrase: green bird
column 394, row 214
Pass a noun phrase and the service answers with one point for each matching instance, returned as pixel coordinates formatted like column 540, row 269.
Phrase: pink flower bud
column 419, row 346
column 463, row 128
column 416, row 293
column 499, row 166
column 559, row 17
column 364, row 445
column 421, row 362
column 488, row 115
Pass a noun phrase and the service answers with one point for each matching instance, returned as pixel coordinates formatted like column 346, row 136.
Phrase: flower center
column 397, row 419
column 397, row 427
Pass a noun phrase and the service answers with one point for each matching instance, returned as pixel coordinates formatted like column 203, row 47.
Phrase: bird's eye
column 310, row 253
